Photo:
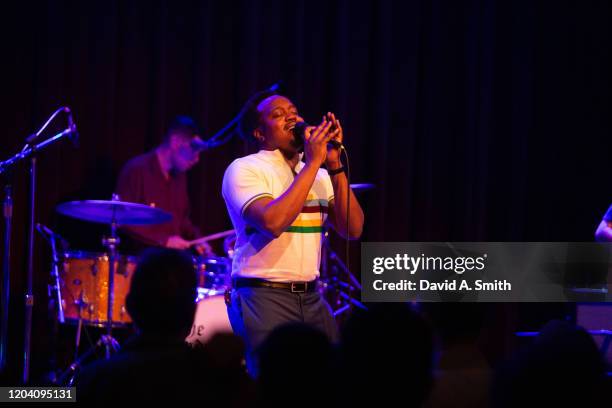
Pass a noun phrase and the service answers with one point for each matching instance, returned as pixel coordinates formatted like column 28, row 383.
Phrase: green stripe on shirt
column 305, row 230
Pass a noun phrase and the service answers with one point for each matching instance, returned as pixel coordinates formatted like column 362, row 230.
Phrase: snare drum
column 84, row 287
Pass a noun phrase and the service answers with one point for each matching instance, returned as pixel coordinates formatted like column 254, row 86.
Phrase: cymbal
column 121, row 212
column 363, row 187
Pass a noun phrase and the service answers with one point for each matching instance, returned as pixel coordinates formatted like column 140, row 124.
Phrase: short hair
column 183, row 125
column 249, row 116
column 163, row 291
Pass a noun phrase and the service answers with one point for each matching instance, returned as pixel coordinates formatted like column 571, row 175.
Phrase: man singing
column 278, row 205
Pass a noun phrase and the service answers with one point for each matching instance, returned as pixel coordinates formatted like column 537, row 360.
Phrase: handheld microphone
column 300, row 128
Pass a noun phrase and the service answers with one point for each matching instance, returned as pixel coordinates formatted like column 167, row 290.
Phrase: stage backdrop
column 476, row 120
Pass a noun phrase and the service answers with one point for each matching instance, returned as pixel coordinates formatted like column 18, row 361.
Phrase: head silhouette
column 162, row 293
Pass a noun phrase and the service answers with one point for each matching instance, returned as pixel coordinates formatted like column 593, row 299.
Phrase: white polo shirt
column 296, row 254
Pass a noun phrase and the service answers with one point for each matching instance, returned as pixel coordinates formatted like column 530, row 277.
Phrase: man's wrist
column 312, row 166
column 336, row 171
column 331, row 166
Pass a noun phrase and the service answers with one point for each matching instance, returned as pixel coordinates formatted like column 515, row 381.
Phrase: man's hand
column 176, row 242
column 333, row 153
column 315, row 143
column 204, row 249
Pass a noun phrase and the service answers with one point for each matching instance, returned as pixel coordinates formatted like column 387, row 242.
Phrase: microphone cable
column 348, row 209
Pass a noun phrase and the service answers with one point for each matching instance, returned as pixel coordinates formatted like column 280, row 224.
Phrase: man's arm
column 343, row 195
column 274, row 216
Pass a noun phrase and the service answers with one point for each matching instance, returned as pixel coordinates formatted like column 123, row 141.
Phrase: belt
column 293, row 287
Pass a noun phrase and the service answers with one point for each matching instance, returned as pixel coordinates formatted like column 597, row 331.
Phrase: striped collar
column 277, row 156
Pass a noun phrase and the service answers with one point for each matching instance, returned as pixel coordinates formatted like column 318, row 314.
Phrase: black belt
column 293, row 287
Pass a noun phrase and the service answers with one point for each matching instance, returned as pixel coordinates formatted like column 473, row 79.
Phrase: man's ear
column 258, row 134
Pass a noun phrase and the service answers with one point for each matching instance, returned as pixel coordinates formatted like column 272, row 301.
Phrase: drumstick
column 211, row 237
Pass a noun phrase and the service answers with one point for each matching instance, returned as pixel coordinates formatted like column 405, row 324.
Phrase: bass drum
column 210, row 318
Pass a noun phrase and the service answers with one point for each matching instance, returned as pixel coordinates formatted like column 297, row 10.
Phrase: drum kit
column 90, row 289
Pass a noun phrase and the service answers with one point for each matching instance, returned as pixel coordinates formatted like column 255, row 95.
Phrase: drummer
column 158, row 178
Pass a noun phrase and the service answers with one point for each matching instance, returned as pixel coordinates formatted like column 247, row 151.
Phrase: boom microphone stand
column 29, row 152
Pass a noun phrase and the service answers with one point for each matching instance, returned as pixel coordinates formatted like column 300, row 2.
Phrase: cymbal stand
column 344, row 283
column 111, row 242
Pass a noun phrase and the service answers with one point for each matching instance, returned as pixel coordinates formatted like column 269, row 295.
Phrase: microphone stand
column 212, row 142
column 29, row 152
column 6, row 268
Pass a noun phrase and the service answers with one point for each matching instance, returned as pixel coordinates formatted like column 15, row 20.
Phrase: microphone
column 300, row 128
column 71, row 130
column 201, row 145
column 74, row 134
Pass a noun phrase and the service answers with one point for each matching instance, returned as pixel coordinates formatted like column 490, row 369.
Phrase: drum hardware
column 111, row 242
column 55, row 287
column 56, row 303
column 338, row 282
column 341, row 310
column 67, row 377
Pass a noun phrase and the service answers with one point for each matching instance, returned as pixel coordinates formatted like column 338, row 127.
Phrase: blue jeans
column 255, row 312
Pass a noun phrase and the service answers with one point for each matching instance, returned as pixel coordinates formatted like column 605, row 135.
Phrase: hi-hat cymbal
column 120, row 212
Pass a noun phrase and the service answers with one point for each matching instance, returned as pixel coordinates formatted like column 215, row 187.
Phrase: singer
column 158, row 178
column 279, row 200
